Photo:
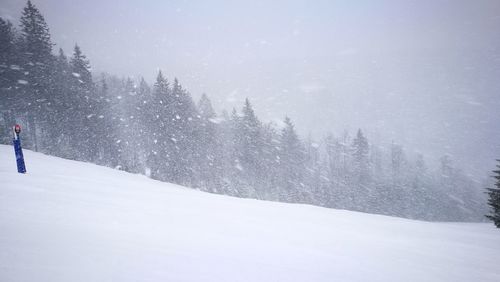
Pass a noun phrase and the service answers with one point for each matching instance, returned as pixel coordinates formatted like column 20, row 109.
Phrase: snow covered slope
column 72, row 221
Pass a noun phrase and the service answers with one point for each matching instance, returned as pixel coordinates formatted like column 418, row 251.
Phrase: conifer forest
column 159, row 129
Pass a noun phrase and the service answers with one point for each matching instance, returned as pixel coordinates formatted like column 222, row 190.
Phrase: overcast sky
column 425, row 74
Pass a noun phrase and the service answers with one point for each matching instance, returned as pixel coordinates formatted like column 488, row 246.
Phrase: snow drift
column 72, row 221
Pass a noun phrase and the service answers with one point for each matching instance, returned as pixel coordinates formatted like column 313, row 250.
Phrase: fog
column 422, row 73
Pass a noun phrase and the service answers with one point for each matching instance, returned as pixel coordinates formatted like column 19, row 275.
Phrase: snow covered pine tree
column 494, row 200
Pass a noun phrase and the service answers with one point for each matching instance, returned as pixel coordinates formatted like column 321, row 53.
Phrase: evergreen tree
column 205, row 108
column 8, row 67
column 292, row 157
column 270, row 162
column 345, row 158
column 37, row 64
column 209, row 149
column 10, row 73
column 315, row 182
column 62, row 105
column 248, row 149
column 185, row 138
column 360, row 158
column 332, row 150
column 85, row 106
column 231, row 169
column 108, row 135
column 397, row 194
column 158, row 121
column 128, row 110
column 144, row 100
column 420, row 198
column 446, row 180
column 361, row 193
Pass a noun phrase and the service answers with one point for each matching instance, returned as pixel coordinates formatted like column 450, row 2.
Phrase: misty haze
column 264, row 140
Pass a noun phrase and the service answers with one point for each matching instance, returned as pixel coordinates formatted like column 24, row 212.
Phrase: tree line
column 158, row 130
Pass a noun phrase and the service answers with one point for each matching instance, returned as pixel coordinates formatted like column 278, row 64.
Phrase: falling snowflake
column 238, row 167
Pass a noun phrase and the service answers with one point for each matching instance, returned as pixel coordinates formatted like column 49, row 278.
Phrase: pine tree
column 143, row 134
column 35, row 31
column 229, row 138
column 85, row 105
column 209, row 148
column 333, row 170
column 419, row 190
column 494, row 199
column 8, row 69
column 10, row 73
column 361, row 194
column 360, row 157
column 248, row 142
column 181, row 126
column 270, row 163
column 314, row 180
column 107, row 131
column 63, row 102
column 205, row 108
column 134, row 101
column 127, row 111
column 332, row 150
column 159, row 124
column 396, row 194
column 37, row 64
column 292, row 157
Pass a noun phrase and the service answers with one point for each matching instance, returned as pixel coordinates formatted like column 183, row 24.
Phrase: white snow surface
column 71, row 221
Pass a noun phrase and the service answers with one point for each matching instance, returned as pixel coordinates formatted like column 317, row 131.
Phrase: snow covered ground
column 72, row 221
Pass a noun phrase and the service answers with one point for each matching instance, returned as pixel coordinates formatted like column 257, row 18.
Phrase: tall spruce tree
column 292, row 157
column 333, row 170
column 314, row 177
column 37, row 64
column 209, row 149
column 419, row 190
column 159, row 122
column 360, row 190
column 249, row 150
column 360, row 158
column 231, row 168
column 184, row 119
column 85, row 106
column 144, row 132
column 397, row 191
column 494, row 198
column 62, row 127
column 270, row 163
column 10, row 72
column 8, row 67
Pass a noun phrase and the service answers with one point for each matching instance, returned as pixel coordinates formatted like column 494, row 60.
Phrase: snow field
column 71, row 221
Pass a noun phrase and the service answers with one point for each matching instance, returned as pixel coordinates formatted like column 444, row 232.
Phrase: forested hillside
column 158, row 130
